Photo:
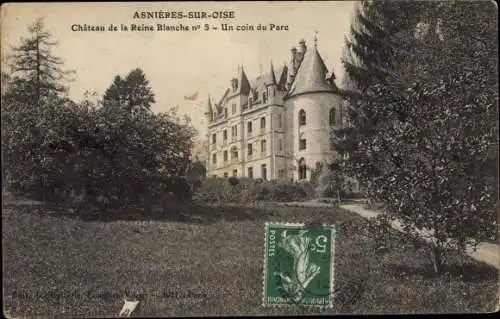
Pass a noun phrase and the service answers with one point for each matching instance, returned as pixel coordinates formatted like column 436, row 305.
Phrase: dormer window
column 264, row 97
column 250, row 101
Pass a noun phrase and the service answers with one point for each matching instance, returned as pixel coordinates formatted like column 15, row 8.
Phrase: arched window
column 302, row 117
column 302, row 169
column 332, row 118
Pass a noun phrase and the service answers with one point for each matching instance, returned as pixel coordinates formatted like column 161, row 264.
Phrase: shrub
column 246, row 190
column 233, row 181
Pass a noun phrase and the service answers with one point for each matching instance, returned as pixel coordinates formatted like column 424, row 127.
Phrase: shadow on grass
column 175, row 211
column 467, row 272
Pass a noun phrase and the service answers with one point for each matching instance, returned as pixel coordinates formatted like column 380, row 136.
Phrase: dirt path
column 486, row 252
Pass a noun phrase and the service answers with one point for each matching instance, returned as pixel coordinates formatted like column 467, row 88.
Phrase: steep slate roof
column 208, row 108
column 243, row 84
column 265, row 79
column 282, row 72
column 270, row 77
column 311, row 76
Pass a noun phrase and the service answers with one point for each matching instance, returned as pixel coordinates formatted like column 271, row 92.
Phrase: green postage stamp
column 299, row 265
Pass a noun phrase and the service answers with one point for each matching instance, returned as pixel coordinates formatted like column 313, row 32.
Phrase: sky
column 179, row 63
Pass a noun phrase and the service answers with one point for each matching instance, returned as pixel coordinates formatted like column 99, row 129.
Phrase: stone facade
column 278, row 125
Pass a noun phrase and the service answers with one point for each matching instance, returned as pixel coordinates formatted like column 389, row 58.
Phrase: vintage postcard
column 165, row 159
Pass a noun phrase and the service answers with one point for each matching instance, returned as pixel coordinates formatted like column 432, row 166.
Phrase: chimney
column 300, row 55
column 293, row 68
column 302, row 46
column 294, row 55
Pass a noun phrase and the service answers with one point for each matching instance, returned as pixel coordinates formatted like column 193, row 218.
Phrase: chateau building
column 278, row 125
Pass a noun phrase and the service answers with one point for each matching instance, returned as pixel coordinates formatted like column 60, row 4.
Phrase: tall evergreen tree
column 367, row 58
column 36, row 73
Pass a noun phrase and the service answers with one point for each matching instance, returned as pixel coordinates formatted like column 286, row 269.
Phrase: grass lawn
column 56, row 263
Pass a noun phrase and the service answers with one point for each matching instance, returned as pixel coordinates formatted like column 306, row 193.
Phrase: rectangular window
column 214, row 138
column 302, row 144
column 214, row 158
column 263, row 146
column 225, row 112
column 233, row 108
column 249, row 125
column 235, row 155
column 249, row 149
column 235, row 172
column 280, row 121
column 250, row 172
column 225, row 156
column 224, row 135
column 234, row 132
column 262, row 123
column 280, row 145
column 264, row 171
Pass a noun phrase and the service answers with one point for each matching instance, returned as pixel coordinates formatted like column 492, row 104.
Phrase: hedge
column 246, row 190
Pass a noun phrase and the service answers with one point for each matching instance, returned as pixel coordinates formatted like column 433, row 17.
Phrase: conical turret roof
column 311, row 76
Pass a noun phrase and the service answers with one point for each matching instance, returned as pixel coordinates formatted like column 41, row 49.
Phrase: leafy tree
column 63, row 150
column 431, row 150
column 36, row 73
column 34, row 143
column 132, row 92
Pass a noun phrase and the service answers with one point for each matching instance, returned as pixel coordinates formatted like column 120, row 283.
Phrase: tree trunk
column 437, row 259
column 38, row 70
